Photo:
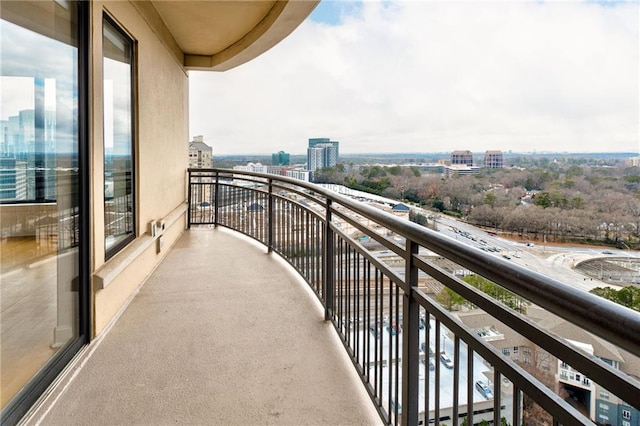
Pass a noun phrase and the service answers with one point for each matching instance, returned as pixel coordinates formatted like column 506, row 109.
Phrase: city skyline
column 521, row 76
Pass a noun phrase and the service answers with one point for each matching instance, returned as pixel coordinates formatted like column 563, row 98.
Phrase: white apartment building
column 200, row 154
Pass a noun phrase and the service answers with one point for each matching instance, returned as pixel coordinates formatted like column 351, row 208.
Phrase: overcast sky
column 435, row 76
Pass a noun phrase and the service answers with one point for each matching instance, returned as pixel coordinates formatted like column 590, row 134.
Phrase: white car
column 448, row 362
column 484, row 389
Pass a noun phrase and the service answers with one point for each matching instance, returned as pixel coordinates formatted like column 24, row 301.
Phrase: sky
column 399, row 76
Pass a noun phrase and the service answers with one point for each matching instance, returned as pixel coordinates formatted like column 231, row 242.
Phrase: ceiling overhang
column 220, row 35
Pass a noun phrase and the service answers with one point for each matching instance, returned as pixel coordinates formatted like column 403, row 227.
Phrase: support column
column 410, row 341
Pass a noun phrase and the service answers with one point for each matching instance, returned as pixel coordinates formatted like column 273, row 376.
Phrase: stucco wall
column 161, row 155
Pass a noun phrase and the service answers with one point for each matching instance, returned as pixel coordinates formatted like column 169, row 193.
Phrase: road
column 553, row 261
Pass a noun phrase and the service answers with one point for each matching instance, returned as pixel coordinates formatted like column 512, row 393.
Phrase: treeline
column 451, row 300
column 556, row 201
column 627, row 296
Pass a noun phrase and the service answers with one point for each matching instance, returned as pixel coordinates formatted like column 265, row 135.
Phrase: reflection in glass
column 38, row 188
column 118, row 138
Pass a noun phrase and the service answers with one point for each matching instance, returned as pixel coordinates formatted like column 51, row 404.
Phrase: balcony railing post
column 270, row 218
column 328, row 265
column 216, row 201
column 411, row 341
column 190, row 201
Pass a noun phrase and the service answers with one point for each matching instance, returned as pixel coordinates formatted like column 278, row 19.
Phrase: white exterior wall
column 160, row 158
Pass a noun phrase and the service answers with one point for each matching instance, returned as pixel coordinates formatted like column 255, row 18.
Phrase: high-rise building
column 493, row 159
column 462, row 157
column 13, row 179
column 280, row 158
column 322, row 153
column 200, row 154
column 30, row 138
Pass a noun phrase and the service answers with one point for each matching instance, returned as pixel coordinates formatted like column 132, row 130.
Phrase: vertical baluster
column 427, row 360
column 470, row 385
column 410, row 340
column 189, row 197
column 497, row 397
column 456, row 380
column 436, row 390
column 328, row 264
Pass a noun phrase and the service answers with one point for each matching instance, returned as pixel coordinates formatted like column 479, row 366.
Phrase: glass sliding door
column 40, row 196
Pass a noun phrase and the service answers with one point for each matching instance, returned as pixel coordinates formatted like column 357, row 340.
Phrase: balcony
column 221, row 333
column 223, row 327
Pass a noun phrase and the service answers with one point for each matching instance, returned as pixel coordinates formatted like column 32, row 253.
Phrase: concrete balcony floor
column 221, row 333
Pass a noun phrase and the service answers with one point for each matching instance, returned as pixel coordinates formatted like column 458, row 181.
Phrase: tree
column 438, row 204
column 502, row 295
column 418, row 218
column 543, row 199
column 490, row 199
column 532, row 413
column 449, row 299
column 628, row 296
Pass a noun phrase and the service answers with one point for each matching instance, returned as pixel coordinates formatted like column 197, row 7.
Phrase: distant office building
column 322, row 153
column 277, row 170
column 462, row 157
column 303, row 175
column 493, row 159
column 460, row 169
column 315, row 158
column 292, row 172
column 252, row 167
column 200, row 154
column 280, row 158
column 30, row 139
column 633, row 162
column 13, row 179
column 322, row 141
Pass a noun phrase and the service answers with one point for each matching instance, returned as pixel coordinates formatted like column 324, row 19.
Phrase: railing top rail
column 613, row 322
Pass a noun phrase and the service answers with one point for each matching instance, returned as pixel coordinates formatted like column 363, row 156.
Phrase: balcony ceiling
column 219, row 35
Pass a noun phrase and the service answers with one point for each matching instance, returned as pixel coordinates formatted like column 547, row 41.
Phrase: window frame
column 116, row 248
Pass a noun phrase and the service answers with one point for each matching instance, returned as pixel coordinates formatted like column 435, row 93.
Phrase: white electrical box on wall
column 152, row 228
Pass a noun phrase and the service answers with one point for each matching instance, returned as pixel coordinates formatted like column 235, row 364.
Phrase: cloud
column 431, row 76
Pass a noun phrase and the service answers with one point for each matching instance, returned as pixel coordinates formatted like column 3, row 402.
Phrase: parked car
column 448, row 362
column 394, row 329
column 484, row 389
column 375, row 331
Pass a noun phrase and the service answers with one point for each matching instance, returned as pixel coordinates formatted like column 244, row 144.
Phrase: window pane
column 118, row 138
column 38, row 187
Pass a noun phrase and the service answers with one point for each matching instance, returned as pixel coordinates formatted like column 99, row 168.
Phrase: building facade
column 13, row 179
column 601, row 404
column 493, row 159
column 460, row 169
column 303, row 175
column 200, row 154
column 94, row 160
column 280, row 158
column 252, row 167
column 322, row 153
column 462, row 158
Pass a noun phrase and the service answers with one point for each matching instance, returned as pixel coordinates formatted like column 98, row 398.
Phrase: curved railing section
column 377, row 275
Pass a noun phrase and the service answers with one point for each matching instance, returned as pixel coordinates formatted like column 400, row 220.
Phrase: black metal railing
column 419, row 362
